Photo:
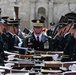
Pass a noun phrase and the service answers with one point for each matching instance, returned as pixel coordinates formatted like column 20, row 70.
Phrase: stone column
column 32, row 13
column 50, row 13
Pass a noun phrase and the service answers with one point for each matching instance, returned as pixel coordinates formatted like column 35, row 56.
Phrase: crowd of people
column 61, row 37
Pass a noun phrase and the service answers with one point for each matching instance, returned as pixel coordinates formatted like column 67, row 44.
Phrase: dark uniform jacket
column 59, row 43
column 43, row 45
column 10, row 40
column 74, row 53
column 2, row 56
column 69, row 50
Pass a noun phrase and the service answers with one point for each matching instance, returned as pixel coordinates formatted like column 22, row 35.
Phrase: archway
column 42, row 14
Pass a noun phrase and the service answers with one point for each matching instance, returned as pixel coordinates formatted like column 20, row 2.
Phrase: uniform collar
column 66, row 34
column 10, row 33
column 40, row 37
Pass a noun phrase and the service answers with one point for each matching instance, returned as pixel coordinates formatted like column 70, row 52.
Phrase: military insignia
column 44, row 47
column 30, row 41
column 47, row 47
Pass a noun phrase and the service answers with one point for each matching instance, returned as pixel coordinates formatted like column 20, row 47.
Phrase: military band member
column 38, row 40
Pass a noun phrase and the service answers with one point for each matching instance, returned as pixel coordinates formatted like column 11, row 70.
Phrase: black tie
column 37, row 38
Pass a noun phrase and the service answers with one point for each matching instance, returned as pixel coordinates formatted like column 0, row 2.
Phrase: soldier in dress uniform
column 10, row 36
column 18, row 30
column 5, row 18
column 5, row 24
column 2, row 56
column 38, row 40
column 63, row 33
column 58, row 37
column 73, row 55
column 69, row 49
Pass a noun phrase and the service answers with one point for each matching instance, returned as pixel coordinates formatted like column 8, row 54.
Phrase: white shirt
column 66, row 34
column 20, row 41
column 40, row 36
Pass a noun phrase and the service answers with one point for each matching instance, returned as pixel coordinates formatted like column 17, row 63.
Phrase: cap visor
column 37, row 26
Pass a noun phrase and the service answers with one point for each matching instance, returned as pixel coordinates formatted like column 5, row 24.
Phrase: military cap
column 42, row 18
column 2, row 21
column 52, row 24
column 0, row 10
column 38, row 23
column 13, row 23
column 14, row 19
column 0, row 13
column 64, row 22
column 70, row 21
column 71, row 15
column 5, row 19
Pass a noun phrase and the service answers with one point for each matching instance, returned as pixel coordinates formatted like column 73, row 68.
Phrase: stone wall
column 28, row 10
column 7, row 7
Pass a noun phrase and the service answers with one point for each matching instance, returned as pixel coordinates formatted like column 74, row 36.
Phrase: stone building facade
column 52, row 10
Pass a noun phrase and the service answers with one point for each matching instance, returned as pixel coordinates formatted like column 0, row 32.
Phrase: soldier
column 69, row 49
column 73, row 55
column 5, row 24
column 2, row 56
column 63, row 33
column 58, row 37
column 18, row 30
column 10, row 36
column 5, row 18
column 38, row 40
